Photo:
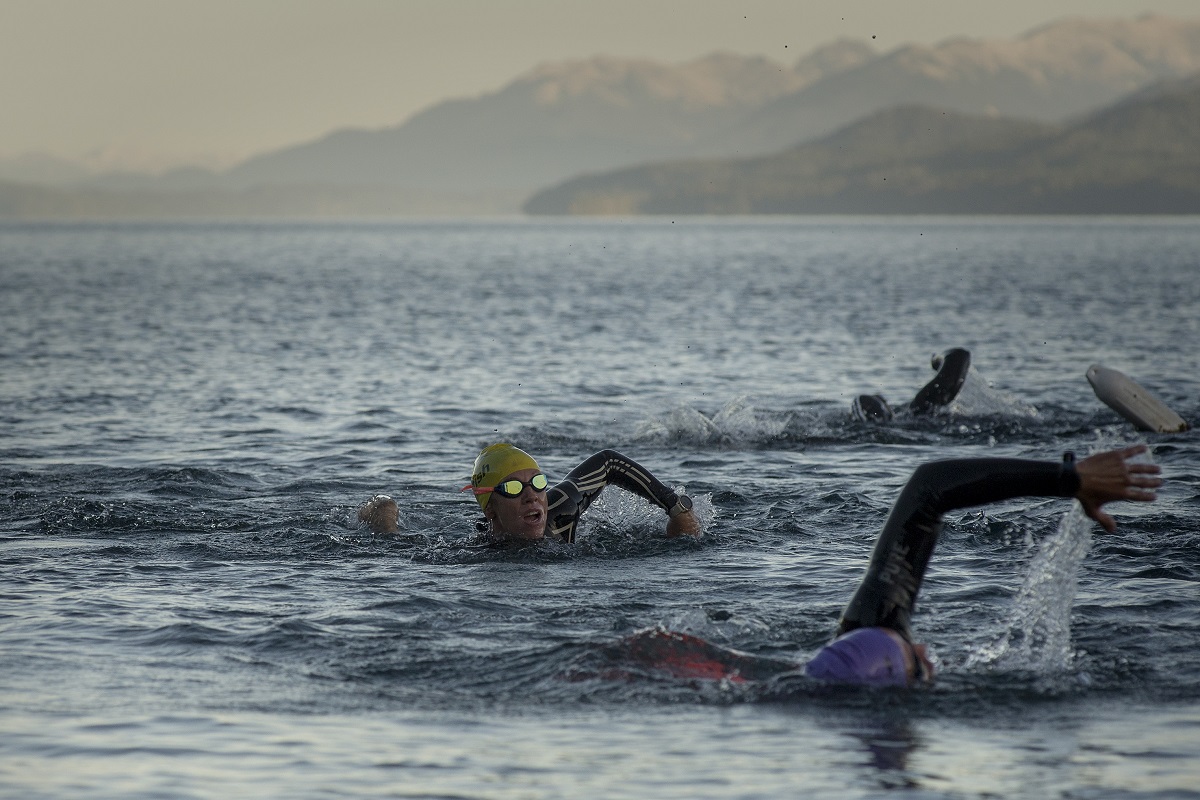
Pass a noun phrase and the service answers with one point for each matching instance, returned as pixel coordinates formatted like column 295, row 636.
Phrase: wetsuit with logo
column 886, row 596
column 888, row 591
column 569, row 499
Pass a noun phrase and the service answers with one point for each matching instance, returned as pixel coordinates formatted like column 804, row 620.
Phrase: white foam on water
column 739, row 421
column 979, row 397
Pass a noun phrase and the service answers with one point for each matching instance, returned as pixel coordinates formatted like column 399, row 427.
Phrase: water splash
column 624, row 515
column 980, row 398
column 682, row 424
column 737, row 422
column 1037, row 636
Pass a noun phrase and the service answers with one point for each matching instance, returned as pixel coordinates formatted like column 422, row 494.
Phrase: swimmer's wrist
column 683, row 504
column 1069, row 482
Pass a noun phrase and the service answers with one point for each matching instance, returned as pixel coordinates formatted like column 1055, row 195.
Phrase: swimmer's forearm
column 961, row 483
column 610, row 467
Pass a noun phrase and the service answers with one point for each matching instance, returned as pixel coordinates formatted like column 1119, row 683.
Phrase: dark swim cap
column 864, row 656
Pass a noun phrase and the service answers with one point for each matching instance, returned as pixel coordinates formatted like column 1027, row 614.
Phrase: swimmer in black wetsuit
column 519, row 503
column 952, row 367
column 874, row 644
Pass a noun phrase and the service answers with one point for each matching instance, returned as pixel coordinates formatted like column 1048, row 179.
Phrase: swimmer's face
column 521, row 517
column 916, row 659
column 921, row 664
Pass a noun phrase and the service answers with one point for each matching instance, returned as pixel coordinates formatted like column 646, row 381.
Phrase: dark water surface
column 190, row 415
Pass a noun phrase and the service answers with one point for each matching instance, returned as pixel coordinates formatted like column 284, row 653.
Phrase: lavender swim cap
column 866, row 656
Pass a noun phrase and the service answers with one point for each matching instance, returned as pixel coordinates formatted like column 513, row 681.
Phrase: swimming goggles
column 513, row 487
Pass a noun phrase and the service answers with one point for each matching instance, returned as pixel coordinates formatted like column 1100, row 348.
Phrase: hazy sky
column 152, row 83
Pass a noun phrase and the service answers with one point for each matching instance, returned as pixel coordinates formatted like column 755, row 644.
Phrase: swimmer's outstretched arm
column 570, row 498
column 888, row 591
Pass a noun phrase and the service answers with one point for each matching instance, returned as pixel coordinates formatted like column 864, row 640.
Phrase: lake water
column 190, row 415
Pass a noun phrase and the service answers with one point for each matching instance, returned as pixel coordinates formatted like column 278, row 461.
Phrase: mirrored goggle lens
column 514, row 487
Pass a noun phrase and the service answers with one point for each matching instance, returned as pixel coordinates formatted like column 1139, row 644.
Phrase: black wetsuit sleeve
column 569, row 499
column 888, row 590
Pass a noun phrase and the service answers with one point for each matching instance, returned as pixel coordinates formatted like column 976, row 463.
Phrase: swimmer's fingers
column 1141, row 486
column 1106, row 521
column 1129, row 452
column 1139, row 482
column 1108, row 477
column 1093, row 505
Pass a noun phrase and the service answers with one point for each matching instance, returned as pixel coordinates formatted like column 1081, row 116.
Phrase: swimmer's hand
column 381, row 514
column 683, row 524
column 1106, row 477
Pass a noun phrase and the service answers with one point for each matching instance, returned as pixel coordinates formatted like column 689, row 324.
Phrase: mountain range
column 1141, row 155
column 491, row 153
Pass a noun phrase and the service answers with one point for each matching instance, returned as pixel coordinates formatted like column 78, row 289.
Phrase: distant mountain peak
column 832, row 58
column 712, row 81
column 1130, row 50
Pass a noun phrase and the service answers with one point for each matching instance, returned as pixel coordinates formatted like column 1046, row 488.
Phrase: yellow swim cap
column 496, row 463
